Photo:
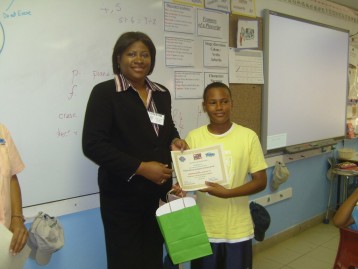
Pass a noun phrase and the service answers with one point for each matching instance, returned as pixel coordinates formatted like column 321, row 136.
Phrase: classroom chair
column 331, row 176
column 343, row 178
column 347, row 253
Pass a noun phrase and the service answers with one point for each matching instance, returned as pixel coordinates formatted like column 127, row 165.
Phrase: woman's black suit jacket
column 118, row 135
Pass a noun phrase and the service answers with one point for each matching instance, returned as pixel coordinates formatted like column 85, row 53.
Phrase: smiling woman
column 128, row 132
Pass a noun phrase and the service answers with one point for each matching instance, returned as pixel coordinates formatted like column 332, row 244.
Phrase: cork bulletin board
column 247, row 98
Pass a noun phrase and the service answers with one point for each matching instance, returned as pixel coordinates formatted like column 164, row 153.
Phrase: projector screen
column 306, row 81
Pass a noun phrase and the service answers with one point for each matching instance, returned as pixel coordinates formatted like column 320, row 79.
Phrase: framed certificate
column 195, row 166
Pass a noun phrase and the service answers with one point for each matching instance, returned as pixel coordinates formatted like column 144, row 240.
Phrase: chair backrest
column 347, row 254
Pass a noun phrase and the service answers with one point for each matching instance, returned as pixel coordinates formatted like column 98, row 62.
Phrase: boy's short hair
column 216, row 84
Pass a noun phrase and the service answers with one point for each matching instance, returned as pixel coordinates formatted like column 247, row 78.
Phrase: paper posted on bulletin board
column 246, row 66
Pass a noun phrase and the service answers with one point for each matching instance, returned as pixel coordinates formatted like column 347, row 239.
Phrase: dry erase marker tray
column 310, row 146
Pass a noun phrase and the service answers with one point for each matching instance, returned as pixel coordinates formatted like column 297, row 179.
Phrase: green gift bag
column 183, row 230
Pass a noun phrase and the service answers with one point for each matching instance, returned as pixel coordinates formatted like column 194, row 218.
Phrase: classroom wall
column 84, row 241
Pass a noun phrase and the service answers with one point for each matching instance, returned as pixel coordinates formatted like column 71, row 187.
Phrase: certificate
column 195, row 166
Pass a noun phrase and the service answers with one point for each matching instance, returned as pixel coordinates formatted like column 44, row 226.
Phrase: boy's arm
column 257, row 184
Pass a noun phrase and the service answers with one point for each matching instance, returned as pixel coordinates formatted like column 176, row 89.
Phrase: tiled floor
column 314, row 248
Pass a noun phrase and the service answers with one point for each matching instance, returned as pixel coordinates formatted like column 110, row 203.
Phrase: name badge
column 156, row 118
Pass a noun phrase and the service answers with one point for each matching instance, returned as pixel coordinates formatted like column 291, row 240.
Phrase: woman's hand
column 179, row 144
column 177, row 190
column 156, row 172
column 20, row 235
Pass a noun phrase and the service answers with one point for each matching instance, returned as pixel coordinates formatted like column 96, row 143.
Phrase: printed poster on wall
column 195, row 3
column 211, row 77
column 244, row 8
column 247, row 34
column 220, row 5
column 179, row 51
column 179, row 18
column 212, row 23
column 215, row 54
column 188, row 84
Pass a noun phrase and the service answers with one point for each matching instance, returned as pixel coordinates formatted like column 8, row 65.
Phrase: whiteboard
column 306, row 81
column 52, row 53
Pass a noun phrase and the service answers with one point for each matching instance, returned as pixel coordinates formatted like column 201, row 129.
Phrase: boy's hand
column 216, row 190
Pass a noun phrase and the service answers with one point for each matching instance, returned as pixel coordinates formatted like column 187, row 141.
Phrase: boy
column 225, row 210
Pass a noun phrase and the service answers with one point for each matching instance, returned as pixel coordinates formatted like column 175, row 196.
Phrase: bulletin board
column 247, row 98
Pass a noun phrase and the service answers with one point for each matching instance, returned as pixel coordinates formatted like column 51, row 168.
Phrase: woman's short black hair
column 216, row 84
column 126, row 40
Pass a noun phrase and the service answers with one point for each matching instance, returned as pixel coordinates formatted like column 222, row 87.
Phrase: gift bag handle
column 169, row 202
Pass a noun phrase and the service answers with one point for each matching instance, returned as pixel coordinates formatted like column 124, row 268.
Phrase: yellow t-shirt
column 230, row 219
column 10, row 164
